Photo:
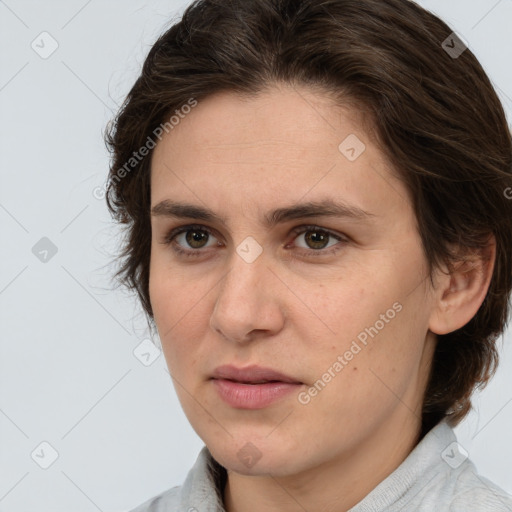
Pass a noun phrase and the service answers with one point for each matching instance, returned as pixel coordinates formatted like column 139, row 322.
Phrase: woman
column 315, row 194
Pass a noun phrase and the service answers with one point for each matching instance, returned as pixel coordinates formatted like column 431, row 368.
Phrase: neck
column 333, row 486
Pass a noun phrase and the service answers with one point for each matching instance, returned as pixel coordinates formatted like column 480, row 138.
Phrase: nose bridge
column 240, row 284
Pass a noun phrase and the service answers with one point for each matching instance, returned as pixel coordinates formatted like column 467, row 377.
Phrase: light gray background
column 68, row 374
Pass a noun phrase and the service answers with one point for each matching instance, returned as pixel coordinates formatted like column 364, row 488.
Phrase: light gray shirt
column 437, row 476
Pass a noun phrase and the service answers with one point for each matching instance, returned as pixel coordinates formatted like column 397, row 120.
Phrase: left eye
column 316, row 238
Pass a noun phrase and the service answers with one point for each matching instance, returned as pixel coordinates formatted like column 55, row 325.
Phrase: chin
column 259, row 457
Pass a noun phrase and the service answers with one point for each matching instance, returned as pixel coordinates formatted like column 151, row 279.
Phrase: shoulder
column 457, row 484
column 474, row 492
column 437, row 476
column 167, row 501
column 200, row 491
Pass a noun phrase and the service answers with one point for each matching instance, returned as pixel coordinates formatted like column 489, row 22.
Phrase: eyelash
column 169, row 240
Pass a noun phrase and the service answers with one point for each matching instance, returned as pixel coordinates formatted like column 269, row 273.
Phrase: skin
column 294, row 309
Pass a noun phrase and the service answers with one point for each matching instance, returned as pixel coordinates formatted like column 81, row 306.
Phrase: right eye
column 187, row 240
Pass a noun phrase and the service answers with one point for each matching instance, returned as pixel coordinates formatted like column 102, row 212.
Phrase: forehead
column 281, row 115
column 285, row 143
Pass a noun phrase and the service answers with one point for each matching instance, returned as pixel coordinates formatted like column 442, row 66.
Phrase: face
column 276, row 276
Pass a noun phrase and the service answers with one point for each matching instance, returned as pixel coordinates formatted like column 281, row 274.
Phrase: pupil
column 318, row 239
column 196, row 237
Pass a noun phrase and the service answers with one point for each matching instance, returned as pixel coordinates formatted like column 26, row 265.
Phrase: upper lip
column 251, row 374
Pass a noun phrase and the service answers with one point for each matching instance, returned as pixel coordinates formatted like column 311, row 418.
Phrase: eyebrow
column 322, row 208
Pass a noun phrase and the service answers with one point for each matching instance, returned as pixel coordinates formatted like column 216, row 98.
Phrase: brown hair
column 436, row 116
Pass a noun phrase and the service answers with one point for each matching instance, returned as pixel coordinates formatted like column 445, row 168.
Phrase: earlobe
column 460, row 294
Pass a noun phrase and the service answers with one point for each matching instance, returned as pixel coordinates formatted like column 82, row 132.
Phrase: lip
column 251, row 374
column 237, row 387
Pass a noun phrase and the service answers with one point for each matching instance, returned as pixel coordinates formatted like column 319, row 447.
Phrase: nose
column 248, row 302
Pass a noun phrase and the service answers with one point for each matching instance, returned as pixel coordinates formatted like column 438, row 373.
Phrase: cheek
column 348, row 305
column 381, row 357
column 373, row 324
column 169, row 290
column 178, row 307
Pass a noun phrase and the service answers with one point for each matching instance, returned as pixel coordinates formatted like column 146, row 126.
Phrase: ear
column 459, row 295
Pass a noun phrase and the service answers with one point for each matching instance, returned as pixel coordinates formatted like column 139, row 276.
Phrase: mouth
column 252, row 375
column 252, row 387
column 253, row 382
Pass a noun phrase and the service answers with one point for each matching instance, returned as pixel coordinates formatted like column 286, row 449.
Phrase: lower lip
column 253, row 396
